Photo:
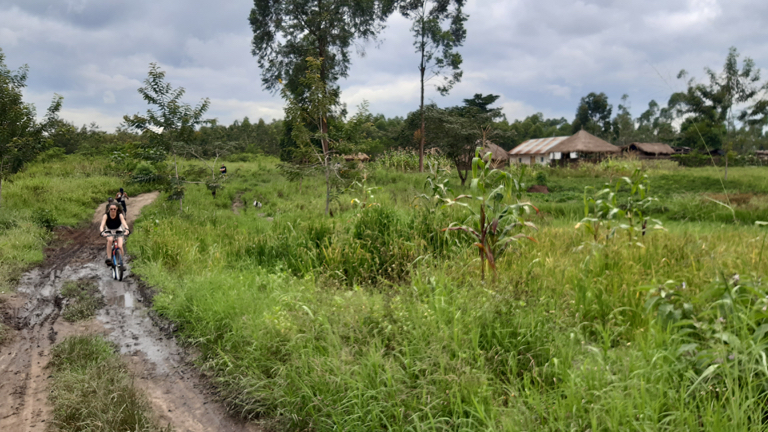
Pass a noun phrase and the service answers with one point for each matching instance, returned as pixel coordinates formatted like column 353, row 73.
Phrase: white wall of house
column 541, row 159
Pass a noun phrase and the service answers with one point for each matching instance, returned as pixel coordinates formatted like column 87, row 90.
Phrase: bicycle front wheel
column 117, row 265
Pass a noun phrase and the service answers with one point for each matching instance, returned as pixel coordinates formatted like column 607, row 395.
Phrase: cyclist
column 121, row 198
column 223, row 169
column 114, row 222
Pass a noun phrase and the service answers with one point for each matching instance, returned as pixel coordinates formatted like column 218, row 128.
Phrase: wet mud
column 179, row 395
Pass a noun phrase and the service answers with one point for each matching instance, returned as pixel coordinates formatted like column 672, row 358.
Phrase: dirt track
column 175, row 389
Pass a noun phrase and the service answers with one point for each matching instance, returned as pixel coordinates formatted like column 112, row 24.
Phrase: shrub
column 44, row 218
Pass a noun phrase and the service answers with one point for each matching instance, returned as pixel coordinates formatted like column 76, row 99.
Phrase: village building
column 561, row 150
column 649, row 150
column 360, row 157
column 499, row 156
column 537, row 150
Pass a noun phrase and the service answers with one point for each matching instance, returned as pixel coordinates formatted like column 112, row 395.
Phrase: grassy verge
column 43, row 196
column 92, row 390
column 375, row 320
column 84, row 300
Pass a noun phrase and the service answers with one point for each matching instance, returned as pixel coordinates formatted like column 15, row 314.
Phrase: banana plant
column 493, row 223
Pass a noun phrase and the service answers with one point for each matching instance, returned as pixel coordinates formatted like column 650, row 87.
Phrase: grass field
column 46, row 195
column 375, row 319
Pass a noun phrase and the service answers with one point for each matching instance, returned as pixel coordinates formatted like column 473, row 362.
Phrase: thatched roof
column 362, row 157
column 497, row 153
column 651, row 148
column 584, row 142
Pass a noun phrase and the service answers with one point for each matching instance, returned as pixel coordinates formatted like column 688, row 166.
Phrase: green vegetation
column 92, row 390
column 84, row 300
column 375, row 319
column 62, row 191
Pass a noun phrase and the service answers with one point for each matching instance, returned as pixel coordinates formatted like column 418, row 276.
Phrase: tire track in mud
column 162, row 370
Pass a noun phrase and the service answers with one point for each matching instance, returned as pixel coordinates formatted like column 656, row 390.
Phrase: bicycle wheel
column 117, row 262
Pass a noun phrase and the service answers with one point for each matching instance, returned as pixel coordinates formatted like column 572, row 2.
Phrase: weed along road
column 37, row 315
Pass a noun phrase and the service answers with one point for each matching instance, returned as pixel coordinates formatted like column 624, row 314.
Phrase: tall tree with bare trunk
column 287, row 32
column 438, row 30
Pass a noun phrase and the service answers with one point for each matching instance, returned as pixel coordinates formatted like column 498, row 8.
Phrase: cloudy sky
column 540, row 56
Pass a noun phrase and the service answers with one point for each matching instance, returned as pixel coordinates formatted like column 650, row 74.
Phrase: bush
column 44, row 218
column 145, row 173
column 54, row 154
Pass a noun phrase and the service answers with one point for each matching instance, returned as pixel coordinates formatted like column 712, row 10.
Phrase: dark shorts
column 125, row 207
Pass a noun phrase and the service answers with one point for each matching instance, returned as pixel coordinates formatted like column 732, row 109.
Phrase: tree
column 623, row 124
column 171, row 124
column 707, row 107
column 594, row 115
column 436, row 47
column 21, row 136
column 312, row 110
column 287, row 32
column 655, row 124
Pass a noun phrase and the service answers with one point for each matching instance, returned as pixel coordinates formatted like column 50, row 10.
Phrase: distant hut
column 537, row 150
column 649, row 150
column 360, row 157
column 546, row 151
column 499, row 156
column 762, row 155
column 583, row 143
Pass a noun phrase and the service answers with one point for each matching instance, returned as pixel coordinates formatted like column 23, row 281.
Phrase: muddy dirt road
column 162, row 369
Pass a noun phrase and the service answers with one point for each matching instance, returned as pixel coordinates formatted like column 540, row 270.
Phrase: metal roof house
column 537, row 150
column 545, row 151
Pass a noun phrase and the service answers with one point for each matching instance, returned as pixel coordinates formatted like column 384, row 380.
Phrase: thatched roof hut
column 499, row 156
column 360, row 157
column 584, row 142
column 649, row 150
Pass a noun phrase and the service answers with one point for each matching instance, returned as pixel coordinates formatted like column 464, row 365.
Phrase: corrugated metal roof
column 537, row 146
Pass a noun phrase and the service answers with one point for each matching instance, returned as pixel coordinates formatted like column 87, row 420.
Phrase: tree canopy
column 21, row 136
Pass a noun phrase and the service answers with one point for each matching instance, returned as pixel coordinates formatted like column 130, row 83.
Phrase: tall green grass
column 374, row 319
column 45, row 195
column 93, row 391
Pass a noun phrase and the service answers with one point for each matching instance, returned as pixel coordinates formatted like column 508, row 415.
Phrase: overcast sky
column 539, row 56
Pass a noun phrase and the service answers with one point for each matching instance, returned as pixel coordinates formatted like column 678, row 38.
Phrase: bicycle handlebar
column 110, row 233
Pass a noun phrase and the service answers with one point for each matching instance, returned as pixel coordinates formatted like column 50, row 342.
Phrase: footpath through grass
column 375, row 319
column 47, row 194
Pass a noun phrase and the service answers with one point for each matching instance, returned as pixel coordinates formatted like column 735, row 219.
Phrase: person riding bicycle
column 113, row 222
column 121, row 198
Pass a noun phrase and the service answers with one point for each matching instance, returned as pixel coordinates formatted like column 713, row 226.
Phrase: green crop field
column 377, row 319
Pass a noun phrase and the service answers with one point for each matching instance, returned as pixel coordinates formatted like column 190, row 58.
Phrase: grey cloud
column 539, row 56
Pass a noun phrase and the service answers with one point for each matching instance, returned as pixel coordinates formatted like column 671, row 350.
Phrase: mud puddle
column 178, row 394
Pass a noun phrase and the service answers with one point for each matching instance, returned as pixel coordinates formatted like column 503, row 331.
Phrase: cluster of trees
column 22, row 137
column 728, row 110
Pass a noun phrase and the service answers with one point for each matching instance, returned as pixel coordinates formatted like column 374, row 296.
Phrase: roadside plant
column 364, row 192
column 493, row 223
column 437, row 189
column 628, row 211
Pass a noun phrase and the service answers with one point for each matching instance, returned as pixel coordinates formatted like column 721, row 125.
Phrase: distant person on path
column 121, row 198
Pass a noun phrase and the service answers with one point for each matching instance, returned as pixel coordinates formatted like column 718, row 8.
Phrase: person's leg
column 109, row 251
column 120, row 245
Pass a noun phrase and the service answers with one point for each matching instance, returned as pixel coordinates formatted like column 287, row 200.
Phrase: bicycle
column 117, row 255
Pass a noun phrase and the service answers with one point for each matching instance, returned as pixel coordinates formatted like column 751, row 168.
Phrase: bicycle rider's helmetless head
column 113, row 210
